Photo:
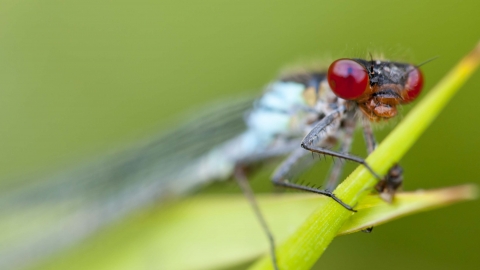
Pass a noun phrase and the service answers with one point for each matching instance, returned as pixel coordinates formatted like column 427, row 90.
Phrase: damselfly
column 299, row 114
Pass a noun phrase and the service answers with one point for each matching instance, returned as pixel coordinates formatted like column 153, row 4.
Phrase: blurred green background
column 79, row 78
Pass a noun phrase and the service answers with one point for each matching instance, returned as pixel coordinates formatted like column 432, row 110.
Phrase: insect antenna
column 371, row 63
column 427, row 61
column 421, row 64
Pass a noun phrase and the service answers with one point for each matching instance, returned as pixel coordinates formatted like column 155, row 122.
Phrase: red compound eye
column 414, row 85
column 347, row 78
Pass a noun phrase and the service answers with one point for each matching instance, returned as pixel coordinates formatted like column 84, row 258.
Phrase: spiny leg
column 371, row 144
column 310, row 142
column 388, row 186
column 391, row 183
column 369, row 137
column 247, row 190
column 317, row 136
column 279, row 178
column 345, row 144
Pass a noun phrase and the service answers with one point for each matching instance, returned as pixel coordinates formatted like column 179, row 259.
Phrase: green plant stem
column 309, row 242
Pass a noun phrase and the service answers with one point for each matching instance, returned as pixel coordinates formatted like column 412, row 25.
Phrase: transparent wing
column 40, row 218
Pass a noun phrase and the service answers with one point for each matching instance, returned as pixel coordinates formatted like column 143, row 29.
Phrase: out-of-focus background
column 80, row 78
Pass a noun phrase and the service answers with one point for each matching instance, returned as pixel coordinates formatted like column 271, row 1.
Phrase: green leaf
column 373, row 211
column 219, row 231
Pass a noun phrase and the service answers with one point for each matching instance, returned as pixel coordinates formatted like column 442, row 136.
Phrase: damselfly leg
column 313, row 137
column 392, row 182
column 310, row 143
column 242, row 181
column 388, row 186
column 345, row 145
